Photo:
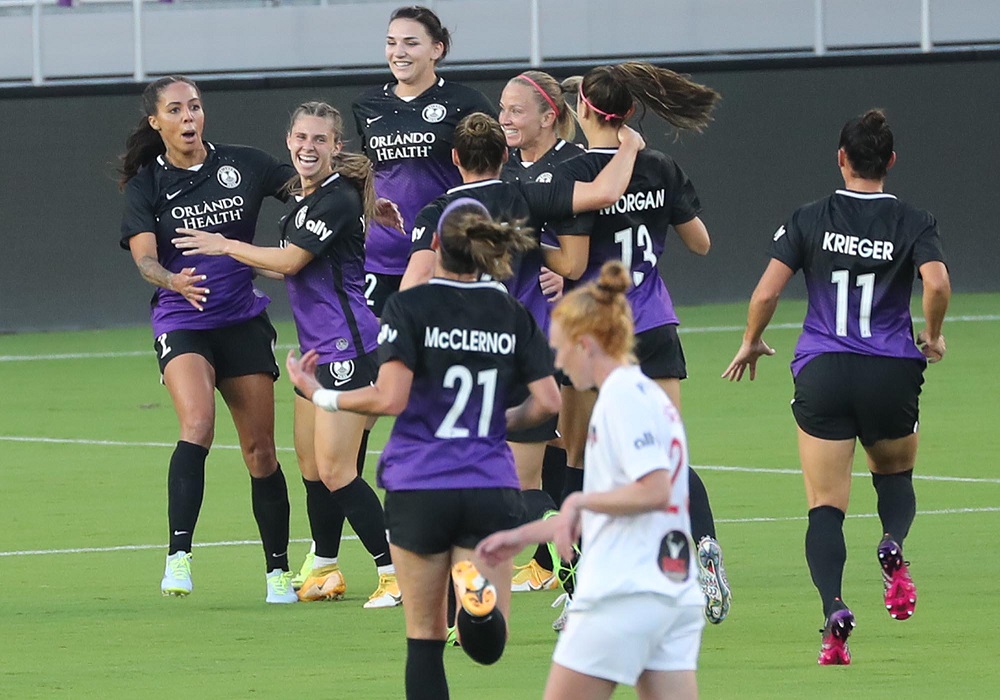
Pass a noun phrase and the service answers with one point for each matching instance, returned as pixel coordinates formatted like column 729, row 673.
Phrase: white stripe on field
column 681, row 329
column 240, row 543
column 856, row 475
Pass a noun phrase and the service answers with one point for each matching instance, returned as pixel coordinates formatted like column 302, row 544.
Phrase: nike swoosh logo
column 340, row 382
column 371, row 120
column 181, row 532
column 171, row 196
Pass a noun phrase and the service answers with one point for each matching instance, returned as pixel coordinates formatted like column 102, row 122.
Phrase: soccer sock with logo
column 185, row 491
column 554, row 472
column 483, row 638
column 364, row 513
column 897, row 503
column 363, row 452
column 326, row 519
column 826, row 553
column 269, row 496
column 702, row 522
column 425, row 679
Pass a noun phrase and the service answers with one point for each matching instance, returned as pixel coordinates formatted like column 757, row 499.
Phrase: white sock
column 385, row 569
column 320, row 562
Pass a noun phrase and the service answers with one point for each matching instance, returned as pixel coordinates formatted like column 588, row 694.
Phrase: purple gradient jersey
column 410, row 142
column 634, row 229
column 468, row 344
column 327, row 295
column 222, row 196
column 532, row 203
column 859, row 253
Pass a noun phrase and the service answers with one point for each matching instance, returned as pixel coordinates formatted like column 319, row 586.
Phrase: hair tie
column 607, row 115
column 548, row 98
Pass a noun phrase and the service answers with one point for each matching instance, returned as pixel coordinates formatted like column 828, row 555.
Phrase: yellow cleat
column 532, row 577
column 325, row 583
column 387, row 594
column 477, row 595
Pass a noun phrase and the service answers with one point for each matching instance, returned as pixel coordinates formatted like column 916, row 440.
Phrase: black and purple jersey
column 223, row 195
column 468, row 344
column 634, row 229
column 859, row 253
column 532, row 203
column 327, row 295
column 409, row 142
column 541, row 170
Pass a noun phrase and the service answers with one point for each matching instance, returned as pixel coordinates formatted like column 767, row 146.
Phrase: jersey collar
column 609, row 151
column 162, row 161
column 474, row 185
column 866, row 195
column 477, row 284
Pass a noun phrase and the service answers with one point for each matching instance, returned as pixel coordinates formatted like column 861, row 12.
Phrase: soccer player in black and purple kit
column 406, row 130
column 634, row 230
column 322, row 260
column 452, row 351
column 857, row 369
column 209, row 324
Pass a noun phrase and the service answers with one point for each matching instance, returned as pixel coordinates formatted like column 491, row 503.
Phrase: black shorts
column 430, row 522
column 842, row 396
column 347, row 374
column 540, row 433
column 660, row 353
column 234, row 351
column 378, row 287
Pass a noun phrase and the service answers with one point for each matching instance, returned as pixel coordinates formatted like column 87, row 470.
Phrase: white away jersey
column 635, row 430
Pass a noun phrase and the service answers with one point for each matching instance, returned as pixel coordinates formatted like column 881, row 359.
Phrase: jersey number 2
column 461, row 377
column 842, row 279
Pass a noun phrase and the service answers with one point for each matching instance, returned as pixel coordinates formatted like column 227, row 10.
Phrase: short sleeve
column 333, row 216
column 549, row 200
column 274, row 176
column 424, row 226
column 397, row 337
column 633, row 425
column 686, row 204
column 483, row 104
column 928, row 246
column 786, row 245
column 533, row 354
column 139, row 215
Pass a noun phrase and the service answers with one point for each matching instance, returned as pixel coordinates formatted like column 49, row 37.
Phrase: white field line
column 681, row 329
column 240, row 543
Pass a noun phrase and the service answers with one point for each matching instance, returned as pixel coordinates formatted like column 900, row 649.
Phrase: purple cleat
column 900, row 591
column 835, row 651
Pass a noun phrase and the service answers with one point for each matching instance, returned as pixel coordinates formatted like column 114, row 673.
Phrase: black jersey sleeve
column 274, row 176
column 335, row 214
column 398, row 337
column 928, row 246
column 139, row 215
column 787, row 244
column 480, row 103
column 549, row 201
column 686, row 204
column 425, row 225
column 533, row 355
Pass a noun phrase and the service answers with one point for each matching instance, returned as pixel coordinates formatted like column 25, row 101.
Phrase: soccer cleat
column 177, row 575
column 452, row 640
column 713, row 581
column 900, row 591
column 304, row 571
column 325, row 583
column 532, row 577
column 477, row 595
column 387, row 594
column 564, row 600
column 838, row 628
column 279, row 587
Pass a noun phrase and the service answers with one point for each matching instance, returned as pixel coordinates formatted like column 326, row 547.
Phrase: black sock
column 897, row 503
column 483, row 638
column 425, row 679
column 826, row 553
column 554, row 472
column 270, row 508
column 185, row 491
column 452, row 606
column 364, row 512
column 537, row 503
column 573, row 482
column 702, row 522
column 363, row 452
column 326, row 519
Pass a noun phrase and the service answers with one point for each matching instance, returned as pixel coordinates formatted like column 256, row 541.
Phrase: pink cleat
column 835, row 651
column 900, row 591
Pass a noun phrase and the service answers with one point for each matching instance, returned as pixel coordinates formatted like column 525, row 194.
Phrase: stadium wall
column 772, row 148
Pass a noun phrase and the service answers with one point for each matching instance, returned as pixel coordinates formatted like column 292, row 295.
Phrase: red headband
column 607, row 116
column 544, row 94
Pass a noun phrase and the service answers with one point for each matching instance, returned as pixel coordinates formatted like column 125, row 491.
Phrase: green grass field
column 86, row 432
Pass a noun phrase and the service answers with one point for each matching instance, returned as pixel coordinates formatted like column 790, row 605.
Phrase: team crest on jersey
column 434, row 113
column 341, row 344
column 342, row 372
column 229, row 177
column 300, row 217
column 386, row 334
column 675, row 556
column 544, row 177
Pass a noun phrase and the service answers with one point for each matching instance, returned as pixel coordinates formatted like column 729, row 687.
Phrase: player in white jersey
column 636, row 615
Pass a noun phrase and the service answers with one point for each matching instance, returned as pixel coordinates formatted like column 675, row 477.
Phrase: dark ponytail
column 472, row 242
column 867, row 141
column 144, row 144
